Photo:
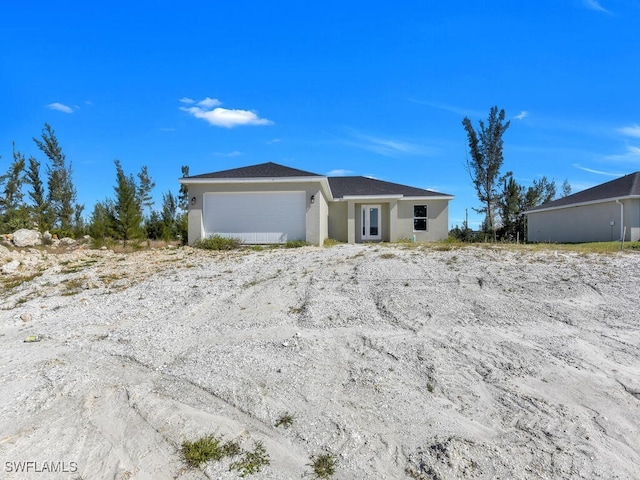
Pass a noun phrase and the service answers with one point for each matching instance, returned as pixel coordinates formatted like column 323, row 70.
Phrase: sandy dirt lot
column 403, row 363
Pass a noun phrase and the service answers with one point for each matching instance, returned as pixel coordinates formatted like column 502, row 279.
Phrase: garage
column 256, row 217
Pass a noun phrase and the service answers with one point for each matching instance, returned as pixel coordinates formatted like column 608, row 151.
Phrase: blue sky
column 356, row 88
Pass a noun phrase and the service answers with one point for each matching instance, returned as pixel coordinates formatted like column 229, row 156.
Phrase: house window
column 419, row 218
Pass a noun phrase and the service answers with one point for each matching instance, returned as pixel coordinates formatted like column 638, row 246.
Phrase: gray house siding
column 597, row 222
column 603, row 213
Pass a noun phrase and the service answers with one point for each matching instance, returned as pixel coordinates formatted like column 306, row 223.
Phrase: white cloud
column 597, row 172
column 465, row 112
column 386, row 146
column 522, row 115
column 340, row 172
column 223, row 117
column 594, row 5
column 187, row 100
column 631, row 155
column 235, row 153
column 209, row 102
column 60, row 107
column 632, row 131
column 275, row 140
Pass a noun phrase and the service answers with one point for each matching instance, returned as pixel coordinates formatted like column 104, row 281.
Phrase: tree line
column 48, row 202
column 503, row 200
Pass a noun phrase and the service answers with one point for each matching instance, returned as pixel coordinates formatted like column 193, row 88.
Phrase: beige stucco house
column 606, row 212
column 271, row 203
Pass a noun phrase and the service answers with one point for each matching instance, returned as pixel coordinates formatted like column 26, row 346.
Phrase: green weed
column 252, row 462
column 285, row 420
column 208, row 448
column 324, row 465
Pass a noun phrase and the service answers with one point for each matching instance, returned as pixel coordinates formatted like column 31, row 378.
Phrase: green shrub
column 324, row 465
column 208, row 448
column 217, row 242
column 202, row 450
column 295, row 244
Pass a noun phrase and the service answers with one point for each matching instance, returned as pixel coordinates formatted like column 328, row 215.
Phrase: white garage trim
column 256, row 217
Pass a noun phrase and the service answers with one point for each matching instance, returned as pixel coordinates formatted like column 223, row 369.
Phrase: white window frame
column 425, row 218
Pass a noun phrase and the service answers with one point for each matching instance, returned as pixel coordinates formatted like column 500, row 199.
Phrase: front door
column 371, row 225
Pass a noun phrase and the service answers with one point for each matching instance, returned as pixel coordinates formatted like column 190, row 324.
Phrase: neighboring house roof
column 262, row 170
column 623, row 187
column 342, row 187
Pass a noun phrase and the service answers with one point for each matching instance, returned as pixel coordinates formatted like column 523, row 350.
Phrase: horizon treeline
column 42, row 196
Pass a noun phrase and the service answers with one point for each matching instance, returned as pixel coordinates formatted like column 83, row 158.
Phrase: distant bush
column 217, row 242
column 330, row 242
column 295, row 244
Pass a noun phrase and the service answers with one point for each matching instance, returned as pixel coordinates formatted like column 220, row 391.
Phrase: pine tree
column 485, row 146
column 510, row 205
column 183, row 195
column 126, row 209
column 40, row 212
column 61, row 191
column 169, row 209
column 102, row 219
column 143, row 190
column 13, row 212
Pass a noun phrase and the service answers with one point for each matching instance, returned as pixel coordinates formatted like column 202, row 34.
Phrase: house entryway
column 371, row 224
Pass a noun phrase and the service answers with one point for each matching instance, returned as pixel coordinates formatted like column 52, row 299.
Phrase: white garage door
column 275, row 217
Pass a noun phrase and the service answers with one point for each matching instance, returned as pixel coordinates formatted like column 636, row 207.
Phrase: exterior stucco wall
column 437, row 220
column 338, row 221
column 316, row 216
column 396, row 220
column 324, row 220
column 598, row 222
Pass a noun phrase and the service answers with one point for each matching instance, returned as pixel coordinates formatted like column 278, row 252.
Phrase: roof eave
column 393, row 197
column 203, row 180
column 324, row 183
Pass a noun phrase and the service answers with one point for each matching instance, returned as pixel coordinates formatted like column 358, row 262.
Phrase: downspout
column 621, row 219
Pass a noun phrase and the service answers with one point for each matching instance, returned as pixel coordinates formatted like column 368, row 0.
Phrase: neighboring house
column 603, row 213
column 271, row 203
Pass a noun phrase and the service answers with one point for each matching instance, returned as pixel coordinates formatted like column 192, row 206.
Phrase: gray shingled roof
column 262, row 170
column 626, row 186
column 341, row 186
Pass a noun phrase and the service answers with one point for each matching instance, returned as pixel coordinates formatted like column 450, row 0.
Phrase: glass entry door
column 371, row 225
